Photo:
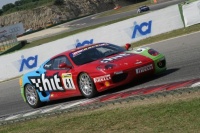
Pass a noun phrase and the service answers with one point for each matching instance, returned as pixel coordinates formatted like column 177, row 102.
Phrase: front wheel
column 32, row 97
column 86, row 85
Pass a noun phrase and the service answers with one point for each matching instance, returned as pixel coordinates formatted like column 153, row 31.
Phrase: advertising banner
column 8, row 36
column 15, row 30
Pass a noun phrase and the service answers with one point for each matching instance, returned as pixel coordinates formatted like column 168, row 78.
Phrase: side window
column 48, row 65
column 57, row 61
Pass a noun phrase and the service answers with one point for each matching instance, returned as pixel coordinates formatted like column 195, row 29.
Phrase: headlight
column 153, row 52
column 106, row 66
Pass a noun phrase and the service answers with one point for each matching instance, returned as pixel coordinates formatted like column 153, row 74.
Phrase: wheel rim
column 85, row 84
column 31, row 95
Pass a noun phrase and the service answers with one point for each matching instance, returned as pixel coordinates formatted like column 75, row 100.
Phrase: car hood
column 122, row 60
column 126, row 58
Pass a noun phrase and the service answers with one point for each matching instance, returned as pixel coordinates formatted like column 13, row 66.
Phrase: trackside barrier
column 131, row 30
column 191, row 13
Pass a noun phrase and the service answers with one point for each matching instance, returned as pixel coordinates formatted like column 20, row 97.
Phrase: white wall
column 191, row 13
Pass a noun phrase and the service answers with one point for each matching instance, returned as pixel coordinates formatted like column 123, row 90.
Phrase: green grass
column 168, row 115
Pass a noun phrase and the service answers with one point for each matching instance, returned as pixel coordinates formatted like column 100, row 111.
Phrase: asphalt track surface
column 182, row 54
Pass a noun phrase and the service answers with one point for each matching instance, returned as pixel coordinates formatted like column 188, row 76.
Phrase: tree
column 8, row 7
column 18, row 3
column 58, row 2
column 1, row 12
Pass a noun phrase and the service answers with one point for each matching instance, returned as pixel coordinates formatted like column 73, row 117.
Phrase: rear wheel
column 32, row 97
column 86, row 85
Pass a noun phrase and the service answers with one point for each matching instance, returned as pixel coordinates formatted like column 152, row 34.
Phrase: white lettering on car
column 102, row 78
column 144, row 69
column 106, row 60
column 43, row 83
column 53, row 83
column 67, row 81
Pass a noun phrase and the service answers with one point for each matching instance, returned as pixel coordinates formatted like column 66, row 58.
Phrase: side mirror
column 128, row 47
column 64, row 65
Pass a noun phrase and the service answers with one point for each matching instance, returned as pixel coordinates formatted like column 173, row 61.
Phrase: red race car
column 88, row 70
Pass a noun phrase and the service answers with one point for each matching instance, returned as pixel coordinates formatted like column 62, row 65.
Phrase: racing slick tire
column 86, row 85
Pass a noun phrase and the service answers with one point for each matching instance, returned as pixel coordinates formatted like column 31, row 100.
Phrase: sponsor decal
column 67, row 81
column 106, row 60
column 102, row 78
column 144, row 69
column 53, row 83
column 138, row 62
column 119, row 72
column 30, row 62
column 73, row 54
column 141, row 29
column 86, row 42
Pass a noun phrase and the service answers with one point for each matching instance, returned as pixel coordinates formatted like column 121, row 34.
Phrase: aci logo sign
column 86, row 42
column 142, row 29
column 30, row 62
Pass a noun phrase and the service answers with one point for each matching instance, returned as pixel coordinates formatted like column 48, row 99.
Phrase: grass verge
column 172, row 113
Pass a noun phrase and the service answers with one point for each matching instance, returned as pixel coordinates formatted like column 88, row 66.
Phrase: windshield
column 94, row 52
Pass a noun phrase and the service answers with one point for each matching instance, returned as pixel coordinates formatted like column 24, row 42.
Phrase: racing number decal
column 67, row 81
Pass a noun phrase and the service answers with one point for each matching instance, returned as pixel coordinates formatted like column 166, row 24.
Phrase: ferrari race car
column 88, row 70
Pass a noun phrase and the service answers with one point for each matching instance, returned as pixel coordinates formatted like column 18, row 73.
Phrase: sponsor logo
column 142, row 29
column 138, row 62
column 84, row 49
column 30, row 62
column 86, row 42
column 53, row 83
column 120, row 72
column 144, row 69
column 106, row 60
column 67, row 81
column 102, row 78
